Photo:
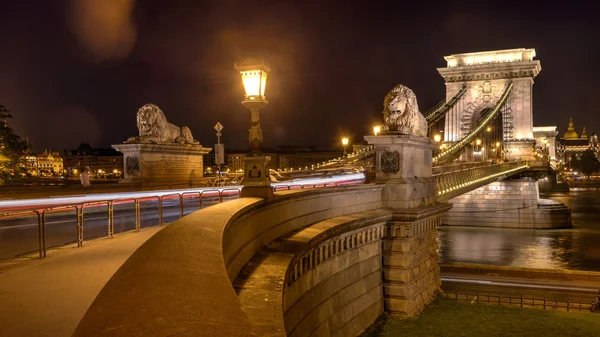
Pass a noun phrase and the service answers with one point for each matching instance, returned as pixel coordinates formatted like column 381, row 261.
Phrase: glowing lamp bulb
column 376, row 129
column 478, row 142
column 437, row 138
column 254, row 77
column 345, row 141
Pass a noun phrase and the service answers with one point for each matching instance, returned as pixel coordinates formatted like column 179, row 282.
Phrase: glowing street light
column 497, row 144
column 256, row 170
column 254, row 77
column 345, row 143
column 488, row 129
column 376, row 129
column 437, row 138
column 478, row 142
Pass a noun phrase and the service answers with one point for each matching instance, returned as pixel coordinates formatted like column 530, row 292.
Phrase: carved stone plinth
column 256, row 177
column 403, row 163
column 162, row 163
column 410, row 261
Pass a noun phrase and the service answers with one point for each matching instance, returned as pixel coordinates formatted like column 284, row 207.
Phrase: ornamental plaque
column 133, row 165
column 390, row 162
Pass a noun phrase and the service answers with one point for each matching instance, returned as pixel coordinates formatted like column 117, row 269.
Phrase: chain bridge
column 483, row 134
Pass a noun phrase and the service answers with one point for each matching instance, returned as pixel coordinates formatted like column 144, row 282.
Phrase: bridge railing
column 77, row 211
column 75, row 214
column 451, row 183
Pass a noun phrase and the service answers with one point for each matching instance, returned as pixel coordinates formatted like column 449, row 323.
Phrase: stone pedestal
column 403, row 164
column 410, row 261
column 256, row 177
column 162, row 163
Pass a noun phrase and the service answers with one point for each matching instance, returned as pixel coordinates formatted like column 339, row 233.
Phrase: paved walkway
column 48, row 297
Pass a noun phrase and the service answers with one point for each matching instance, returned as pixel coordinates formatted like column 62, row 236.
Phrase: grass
column 447, row 318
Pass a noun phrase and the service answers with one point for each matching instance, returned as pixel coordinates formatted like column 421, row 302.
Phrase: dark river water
column 573, row 248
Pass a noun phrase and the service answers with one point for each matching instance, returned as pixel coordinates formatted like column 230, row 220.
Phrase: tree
column 12, row 149
column 574, row 162
column 589, row 163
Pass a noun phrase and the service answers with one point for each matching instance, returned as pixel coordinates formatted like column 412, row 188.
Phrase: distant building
column 46, row 163
column 573, row 144
column 100, row 161
column 545, row 139
column 283, row 157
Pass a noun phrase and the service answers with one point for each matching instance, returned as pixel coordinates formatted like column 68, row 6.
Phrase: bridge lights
column 345, row 143
column 376, row 129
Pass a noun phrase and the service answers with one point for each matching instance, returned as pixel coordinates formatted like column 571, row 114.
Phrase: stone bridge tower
column 486, row 75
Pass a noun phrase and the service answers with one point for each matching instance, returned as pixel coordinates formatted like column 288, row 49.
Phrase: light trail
column 518, row 285
column 28, row 204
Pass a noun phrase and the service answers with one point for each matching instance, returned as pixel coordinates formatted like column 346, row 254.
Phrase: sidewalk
column 48, row 297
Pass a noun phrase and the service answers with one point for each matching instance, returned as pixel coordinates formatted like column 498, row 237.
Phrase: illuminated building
column 573, row 144
column 98, row 160
column 284, row 157
column 47, row 163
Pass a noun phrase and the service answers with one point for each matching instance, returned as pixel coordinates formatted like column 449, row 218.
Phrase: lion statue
column 154, row 128
column 401, row 112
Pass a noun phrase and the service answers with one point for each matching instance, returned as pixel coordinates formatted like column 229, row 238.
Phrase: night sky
column 74, row 71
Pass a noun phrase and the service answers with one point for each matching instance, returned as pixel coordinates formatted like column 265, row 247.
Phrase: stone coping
column 178, row 281
column 536, row 273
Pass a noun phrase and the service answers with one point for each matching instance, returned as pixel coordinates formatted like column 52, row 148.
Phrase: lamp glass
column 345, row 141
column 255, row 82
column 437, row 138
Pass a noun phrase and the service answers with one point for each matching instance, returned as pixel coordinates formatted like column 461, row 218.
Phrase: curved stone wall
column 180, row 281
column 333, row 285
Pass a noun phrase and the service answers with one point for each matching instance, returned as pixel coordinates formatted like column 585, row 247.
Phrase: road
column 516, row 287
column 19, row 236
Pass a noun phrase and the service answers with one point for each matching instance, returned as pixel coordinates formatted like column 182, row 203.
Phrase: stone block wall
column 509, row 203
column 335, row 288
column 410, row 264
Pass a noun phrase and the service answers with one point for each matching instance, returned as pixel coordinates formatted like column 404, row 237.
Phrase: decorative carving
column 390, row 161
column 401, row 112
column 154, row 128
column 132, row 165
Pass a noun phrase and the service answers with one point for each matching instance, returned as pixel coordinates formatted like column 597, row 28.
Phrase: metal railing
column 452, row 183
column 79, row 208
column 519, row 301
column 110, row 203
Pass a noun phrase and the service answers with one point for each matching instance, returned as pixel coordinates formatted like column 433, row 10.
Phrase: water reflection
column 576, row 248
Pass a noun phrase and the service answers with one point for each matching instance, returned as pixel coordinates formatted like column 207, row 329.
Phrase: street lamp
column 256, row 170
column 437, row 138
column 254, row 77
column 345, row 143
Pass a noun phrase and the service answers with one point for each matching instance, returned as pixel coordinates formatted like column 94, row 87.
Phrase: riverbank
column 447, row 318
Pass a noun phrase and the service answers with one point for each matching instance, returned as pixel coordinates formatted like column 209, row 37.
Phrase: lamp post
column 345, row 143
column 256, row 171
column 219, row 151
